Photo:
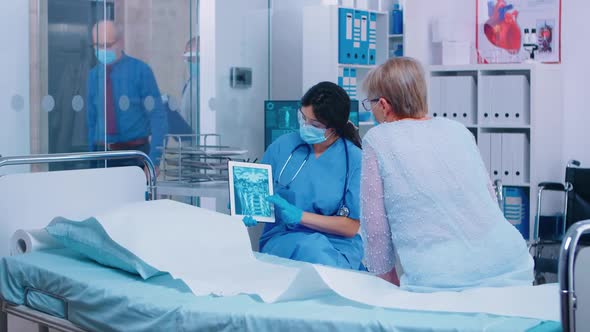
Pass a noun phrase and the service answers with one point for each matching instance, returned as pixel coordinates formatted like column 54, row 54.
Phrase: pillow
column 89, row 238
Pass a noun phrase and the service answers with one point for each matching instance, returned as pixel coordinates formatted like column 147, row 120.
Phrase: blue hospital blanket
column 106, row 299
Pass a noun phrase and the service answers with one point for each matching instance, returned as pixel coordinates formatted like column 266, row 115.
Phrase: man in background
column 124, row 105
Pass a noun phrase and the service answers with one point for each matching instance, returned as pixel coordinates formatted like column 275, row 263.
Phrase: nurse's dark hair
column 331, row 106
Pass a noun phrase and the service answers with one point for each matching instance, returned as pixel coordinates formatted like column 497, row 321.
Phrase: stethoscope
column 342, row 211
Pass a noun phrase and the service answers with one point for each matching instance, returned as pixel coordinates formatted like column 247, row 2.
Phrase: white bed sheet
column 171, row 236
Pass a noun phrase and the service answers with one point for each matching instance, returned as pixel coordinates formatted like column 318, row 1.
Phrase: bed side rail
column 44, row 321
column 567, row 259
column 88, row 156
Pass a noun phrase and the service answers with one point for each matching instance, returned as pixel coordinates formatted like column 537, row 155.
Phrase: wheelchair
column 548, row 231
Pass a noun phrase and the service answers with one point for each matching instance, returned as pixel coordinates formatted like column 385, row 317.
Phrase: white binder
column 520, row 151
column 435, row 96
column 507, row 158
column 484, row 143
column 485, row 112
column 496, row 156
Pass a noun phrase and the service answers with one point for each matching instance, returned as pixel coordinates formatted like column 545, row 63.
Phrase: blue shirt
column 318, row 188
column 132, row 82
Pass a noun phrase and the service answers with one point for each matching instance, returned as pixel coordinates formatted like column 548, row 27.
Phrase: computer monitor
column 280, row 117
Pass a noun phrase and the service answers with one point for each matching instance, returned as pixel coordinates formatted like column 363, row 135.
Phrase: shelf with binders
column 360, row 34
column 377, row 12
column 342, row 45
column 506, row 154
column 504, row 99
column 517, row 118
column 454, row 96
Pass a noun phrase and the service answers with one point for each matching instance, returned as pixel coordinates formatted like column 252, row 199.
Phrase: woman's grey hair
column 401, row 82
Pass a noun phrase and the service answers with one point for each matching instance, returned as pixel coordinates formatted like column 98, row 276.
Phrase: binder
column 364, row 46
column 485, row 111
column 372, row 38
column 507, row 147
column 346, row 79
column 496, row 156
column 444, row 97
column 484, row 143
column 513, row 99
column 341, row 77
column 520, row 151
column 345, row 38
column 496, row 101
column 435, row 96
column 455, row 95
column 356, row 37
column 516, row 209
column 464, row 92
column 352, row 88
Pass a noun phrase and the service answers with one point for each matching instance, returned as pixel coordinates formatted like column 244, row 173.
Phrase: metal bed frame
column 566, row 269
column 45, row 321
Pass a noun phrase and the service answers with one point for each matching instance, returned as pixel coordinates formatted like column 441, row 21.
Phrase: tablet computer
column 249, row 185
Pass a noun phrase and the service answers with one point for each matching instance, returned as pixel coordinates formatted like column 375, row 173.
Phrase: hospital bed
column 62, row 290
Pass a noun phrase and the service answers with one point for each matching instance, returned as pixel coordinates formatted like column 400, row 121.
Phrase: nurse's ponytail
column 331, row 106
column 351, row 133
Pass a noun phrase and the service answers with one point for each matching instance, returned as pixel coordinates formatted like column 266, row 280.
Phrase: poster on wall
column 509, row 31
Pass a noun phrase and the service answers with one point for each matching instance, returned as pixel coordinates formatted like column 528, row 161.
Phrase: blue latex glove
column 249, row 221
column 290, row 214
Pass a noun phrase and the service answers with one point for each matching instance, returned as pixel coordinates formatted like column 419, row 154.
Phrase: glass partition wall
column 107, row 75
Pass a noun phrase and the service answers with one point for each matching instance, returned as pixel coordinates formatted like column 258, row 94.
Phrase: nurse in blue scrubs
column 317, row 182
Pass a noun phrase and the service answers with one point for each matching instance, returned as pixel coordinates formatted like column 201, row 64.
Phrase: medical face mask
column 312, row 135
column 105, row 56
column 193, row 68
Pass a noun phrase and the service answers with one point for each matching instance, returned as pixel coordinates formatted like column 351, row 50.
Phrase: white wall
column 14, row 81
column 233, row 33
column 576, row 72
column 241, row 41
column 419, row 16
column 286, row 47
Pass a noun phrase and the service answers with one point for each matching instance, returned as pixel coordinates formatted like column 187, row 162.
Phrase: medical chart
column 508, row 29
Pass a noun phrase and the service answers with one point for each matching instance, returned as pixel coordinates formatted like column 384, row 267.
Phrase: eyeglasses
column 311, row 122
column 105, row 45
column 367, row 103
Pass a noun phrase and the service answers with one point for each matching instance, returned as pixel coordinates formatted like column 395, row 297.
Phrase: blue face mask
column 312, row 135
column 193, row 68
column 106, row 56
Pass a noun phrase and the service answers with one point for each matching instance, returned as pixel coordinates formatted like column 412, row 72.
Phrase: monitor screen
column 280, row 117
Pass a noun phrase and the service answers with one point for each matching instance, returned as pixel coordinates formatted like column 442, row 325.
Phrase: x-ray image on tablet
column 249, row 185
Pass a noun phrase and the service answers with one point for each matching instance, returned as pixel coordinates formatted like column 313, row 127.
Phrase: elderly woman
column 427, row 214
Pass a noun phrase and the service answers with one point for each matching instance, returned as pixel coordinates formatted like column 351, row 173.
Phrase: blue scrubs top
column 318, row 188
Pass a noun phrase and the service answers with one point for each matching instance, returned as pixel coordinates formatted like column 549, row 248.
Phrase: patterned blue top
column 426, row 208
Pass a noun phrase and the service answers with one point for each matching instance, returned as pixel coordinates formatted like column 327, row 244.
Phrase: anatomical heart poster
column 509, row 31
